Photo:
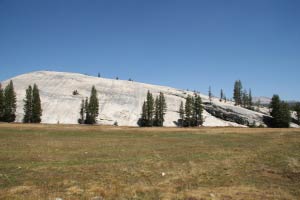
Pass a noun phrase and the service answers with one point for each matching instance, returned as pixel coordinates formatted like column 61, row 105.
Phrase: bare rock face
column 119, row 100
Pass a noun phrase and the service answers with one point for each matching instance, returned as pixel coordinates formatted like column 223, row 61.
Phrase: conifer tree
column 9, row 103
column 93, row 107
column 198, row 109
column 87, row 111
column 28, row 106
column 189, row 110
column 250, row 100
column 221, row 95
column 150, row 109
column 36, row 105
column 143, row 120
column 81, row 120
column 156, row 112
column 181, row 114
column 237, row 92
column 280, row 113
column 245, row 99
column 162, row 109
column 1, row 103
column 209, row 94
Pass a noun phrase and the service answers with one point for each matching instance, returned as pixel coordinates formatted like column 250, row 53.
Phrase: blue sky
column 188, row 44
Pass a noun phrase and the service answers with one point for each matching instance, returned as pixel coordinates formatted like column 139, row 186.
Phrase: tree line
column 153, row 111
column 89, row 109
column 190, row 113
column 8, row 104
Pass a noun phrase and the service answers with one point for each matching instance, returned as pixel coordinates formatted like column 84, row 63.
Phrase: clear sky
column 188, row 44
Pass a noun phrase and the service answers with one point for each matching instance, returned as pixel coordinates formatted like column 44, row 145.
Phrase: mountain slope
column 120, row 100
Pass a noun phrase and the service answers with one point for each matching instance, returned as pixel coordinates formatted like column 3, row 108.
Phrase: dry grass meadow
column 98, row 162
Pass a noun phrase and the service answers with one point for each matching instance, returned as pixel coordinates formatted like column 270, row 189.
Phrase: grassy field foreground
column 82, row 162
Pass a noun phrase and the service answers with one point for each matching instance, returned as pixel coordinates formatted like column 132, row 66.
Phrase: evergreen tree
column 156, row 112
column 28, row 106
column 221, row 95
column 87, row 111
column 81, row 120
column 162, row 109
column 36, row 105
column 237, row 92
column 245, row 99
column 297, row 110
column 1, row 103
column 209, row 94
column 9, row 103
column 188, row 111
column 198, row 109
column 150, row 109
column 93, row 107
column 280, row 113
column 181, row 114
column 250, row 101
column 143, row 120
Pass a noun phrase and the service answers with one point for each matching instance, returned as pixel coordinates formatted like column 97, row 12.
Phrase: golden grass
column 81, row 162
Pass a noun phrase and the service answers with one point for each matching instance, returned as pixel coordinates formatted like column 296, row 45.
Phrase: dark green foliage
column 1, row 103
column 197, row 111
column 297, row 110
column 75, row 92
column 9, row 103
column 36, row 105
column 191, row 113
column 181, row 115
column 209, row 94
column 143, row 119
column 280, row 113
column 82, row 113
column 150, row 109
column 221, row 95
column 245, row 98
column 188, row 111
column 153, row 112
column 237, row 92
column 160, row 109
column 89, row 109
column 32, row 105
column 28, row 106
column 93, row 107
column 250, row 101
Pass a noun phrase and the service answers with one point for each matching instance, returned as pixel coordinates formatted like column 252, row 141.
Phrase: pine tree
column 1, row 103
column 237, row 92
column 188, row 111
column 143, row 119
column 181, row 114
column 280, row 113
column 198, row 109
column 162, row 109
column 9, row 103
column 28, row 106
column 245, row 99
column 87, row 111
column 150, row 109
column 93, row 107
column 221, row 95
column 36, row 105
column 250, row 101
column 209, row 94
column 81, row 120
column 156, row 112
